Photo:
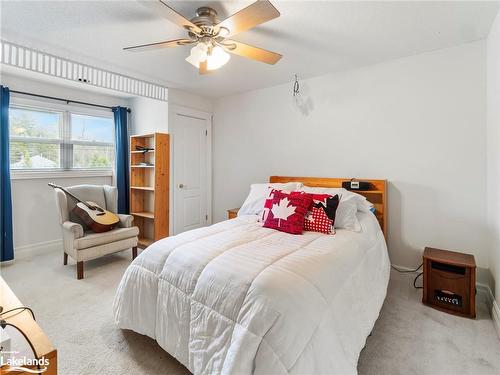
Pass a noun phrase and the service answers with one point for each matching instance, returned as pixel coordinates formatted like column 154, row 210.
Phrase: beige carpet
column 408, row 338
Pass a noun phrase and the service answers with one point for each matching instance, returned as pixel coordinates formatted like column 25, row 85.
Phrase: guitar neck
column 68, row 193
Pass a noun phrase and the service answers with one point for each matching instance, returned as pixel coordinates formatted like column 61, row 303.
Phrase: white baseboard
column 27, row 251
column 492, row 305
column 495, row 315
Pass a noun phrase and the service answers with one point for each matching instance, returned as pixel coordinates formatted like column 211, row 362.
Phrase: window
column 91, row 142
column 60, row 139
column 35, row 138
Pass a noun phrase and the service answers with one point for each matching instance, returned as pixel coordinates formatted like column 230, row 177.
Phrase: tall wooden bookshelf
column 149, row 186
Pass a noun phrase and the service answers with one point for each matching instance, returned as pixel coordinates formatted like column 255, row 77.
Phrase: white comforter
column 237, row 298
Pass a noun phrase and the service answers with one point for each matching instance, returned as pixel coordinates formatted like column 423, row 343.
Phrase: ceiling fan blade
column 259, row 12
column 157, row 45
column 252, row 52
column 161, row 7
column 203, row 67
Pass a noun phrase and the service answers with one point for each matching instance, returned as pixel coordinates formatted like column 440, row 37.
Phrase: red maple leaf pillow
column 268, row 204
column 321, row 215
column 287, row 211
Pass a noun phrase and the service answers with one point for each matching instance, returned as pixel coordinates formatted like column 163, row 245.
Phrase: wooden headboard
column 377, row 196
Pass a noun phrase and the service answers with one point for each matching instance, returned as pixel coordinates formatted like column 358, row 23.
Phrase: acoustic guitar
column 94, row 216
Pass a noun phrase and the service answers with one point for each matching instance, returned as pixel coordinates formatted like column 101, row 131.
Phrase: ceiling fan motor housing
column 206, row 19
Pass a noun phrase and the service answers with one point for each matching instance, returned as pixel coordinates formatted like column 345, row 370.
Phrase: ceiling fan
column 211, row 36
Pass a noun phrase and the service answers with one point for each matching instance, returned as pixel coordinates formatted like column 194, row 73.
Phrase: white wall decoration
column 41, row 62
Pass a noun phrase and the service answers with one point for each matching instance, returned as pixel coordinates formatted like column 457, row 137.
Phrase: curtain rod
column 63, row 100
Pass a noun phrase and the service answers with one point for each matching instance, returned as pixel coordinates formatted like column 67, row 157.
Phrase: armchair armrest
column 74, row 228
column 125, row 220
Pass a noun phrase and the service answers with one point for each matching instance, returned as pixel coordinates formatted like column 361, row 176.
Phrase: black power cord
column 22, row 308
column 415, row 281
column 412, row 271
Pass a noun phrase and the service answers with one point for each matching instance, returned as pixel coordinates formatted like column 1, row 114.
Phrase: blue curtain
column 121, row 140
column 6, row 242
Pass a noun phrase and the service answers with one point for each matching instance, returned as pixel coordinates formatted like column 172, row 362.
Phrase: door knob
column 181, row 186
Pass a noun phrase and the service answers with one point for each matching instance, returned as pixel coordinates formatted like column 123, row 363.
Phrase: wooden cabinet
column 232, row 213
column 149, row 186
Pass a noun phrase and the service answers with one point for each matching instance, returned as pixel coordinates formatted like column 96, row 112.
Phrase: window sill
column 28, row 175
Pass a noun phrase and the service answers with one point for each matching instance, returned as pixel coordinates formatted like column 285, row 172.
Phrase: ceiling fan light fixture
column 218, row 58
column 198, row 54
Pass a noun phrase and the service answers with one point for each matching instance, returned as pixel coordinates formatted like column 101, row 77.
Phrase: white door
column 189, row 132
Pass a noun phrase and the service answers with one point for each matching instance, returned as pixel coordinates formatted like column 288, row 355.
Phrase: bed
column 238, row 298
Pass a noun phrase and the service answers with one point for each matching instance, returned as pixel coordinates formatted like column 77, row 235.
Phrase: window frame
column 66, row 169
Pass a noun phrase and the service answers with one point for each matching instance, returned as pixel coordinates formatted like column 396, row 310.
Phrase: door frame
column 178, row 110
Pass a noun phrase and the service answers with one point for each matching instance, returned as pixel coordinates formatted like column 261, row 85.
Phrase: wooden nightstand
column 450, row 282
column 232, row 213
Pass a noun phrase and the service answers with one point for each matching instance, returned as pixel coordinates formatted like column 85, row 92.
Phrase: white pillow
column 349, row 205
column 254, row 204
column 364, row 205
column 345, row 217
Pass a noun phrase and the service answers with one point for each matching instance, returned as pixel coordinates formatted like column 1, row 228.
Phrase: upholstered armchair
column 81, row 244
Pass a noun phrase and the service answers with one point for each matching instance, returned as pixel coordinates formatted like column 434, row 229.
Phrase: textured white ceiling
column 314, row 37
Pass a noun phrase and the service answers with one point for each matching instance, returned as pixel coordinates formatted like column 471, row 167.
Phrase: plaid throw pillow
column 321, row 215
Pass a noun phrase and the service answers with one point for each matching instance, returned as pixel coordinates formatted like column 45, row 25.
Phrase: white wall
column 148, row 116
column 417, row 121
column 493, row 136
column 35, row 218
column 189, row 100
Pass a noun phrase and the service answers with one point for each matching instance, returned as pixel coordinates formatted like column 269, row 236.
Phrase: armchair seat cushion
column 91, row 239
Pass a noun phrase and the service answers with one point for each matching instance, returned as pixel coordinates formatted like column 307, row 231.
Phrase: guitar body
column 96, row 218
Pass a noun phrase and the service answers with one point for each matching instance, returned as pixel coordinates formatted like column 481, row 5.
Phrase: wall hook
column 296, row 86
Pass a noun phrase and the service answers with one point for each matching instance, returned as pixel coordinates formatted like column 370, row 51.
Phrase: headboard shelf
column 377, row 196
